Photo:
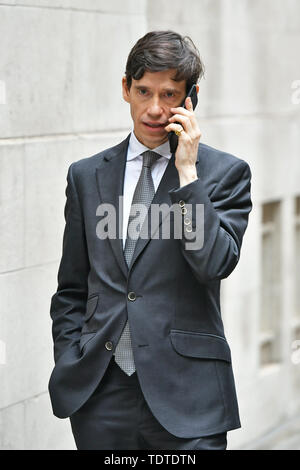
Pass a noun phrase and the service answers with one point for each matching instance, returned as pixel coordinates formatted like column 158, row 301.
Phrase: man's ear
column 125, row 90
column 197, row 86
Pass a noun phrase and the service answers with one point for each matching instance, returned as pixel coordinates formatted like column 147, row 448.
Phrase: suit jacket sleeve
column 69, row 302
column 226, row 214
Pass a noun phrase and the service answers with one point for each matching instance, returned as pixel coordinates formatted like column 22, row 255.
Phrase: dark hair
column 162, row 50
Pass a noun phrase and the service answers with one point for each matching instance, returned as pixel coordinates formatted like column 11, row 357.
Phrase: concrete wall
column 61, row 64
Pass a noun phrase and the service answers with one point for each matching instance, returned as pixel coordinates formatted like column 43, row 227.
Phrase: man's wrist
column 187, row 175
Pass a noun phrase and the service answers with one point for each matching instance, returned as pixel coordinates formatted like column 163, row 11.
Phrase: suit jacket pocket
column 91, row 306
column 202, row 345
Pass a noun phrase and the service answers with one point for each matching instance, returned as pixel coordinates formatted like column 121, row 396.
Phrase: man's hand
column 186, row 153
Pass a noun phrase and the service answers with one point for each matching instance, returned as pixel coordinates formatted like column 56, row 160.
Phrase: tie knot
column 149, row 158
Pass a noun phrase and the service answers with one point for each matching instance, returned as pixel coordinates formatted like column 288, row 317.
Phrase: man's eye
column 142, row 92
column 170, row 95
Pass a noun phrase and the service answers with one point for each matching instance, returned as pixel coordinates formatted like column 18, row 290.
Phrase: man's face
column 150, row 100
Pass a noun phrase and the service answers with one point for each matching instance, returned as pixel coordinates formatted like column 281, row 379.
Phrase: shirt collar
column 135, row 148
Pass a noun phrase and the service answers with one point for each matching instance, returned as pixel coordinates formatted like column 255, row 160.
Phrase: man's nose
column 155, row 108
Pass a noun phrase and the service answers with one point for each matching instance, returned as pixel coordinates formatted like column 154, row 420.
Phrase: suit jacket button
column 181, row 203
column 131, row 296
column 108, row 345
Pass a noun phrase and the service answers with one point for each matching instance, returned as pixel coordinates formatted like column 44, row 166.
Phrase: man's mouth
column 155, row 125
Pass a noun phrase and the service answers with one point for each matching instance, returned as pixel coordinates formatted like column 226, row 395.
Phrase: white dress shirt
column 133, row 170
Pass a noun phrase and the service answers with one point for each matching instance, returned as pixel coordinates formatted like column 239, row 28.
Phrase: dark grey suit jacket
column 182, row 357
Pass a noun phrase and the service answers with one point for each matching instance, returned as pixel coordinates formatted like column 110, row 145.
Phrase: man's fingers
column 174, row 127
column 184, row 121
column 189, row 104
column 183, row 111
column 189, row 113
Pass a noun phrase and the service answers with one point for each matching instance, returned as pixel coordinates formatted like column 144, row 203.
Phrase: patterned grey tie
column 143, row 194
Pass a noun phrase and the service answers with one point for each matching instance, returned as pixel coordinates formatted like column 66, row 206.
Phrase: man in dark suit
column 141, row 358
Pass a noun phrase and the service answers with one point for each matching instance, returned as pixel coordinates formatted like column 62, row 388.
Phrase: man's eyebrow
column 144, row 87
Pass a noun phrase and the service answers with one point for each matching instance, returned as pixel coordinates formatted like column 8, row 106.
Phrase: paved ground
column 285, row 437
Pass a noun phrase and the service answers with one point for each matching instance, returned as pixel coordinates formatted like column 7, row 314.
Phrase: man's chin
column 153, row 140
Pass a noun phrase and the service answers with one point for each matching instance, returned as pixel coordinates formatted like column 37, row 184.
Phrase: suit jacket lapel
column 110, row 177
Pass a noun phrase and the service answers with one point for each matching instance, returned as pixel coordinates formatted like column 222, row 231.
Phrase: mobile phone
column 173, row 139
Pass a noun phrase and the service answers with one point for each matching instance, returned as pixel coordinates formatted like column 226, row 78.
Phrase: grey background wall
column 61, row 64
